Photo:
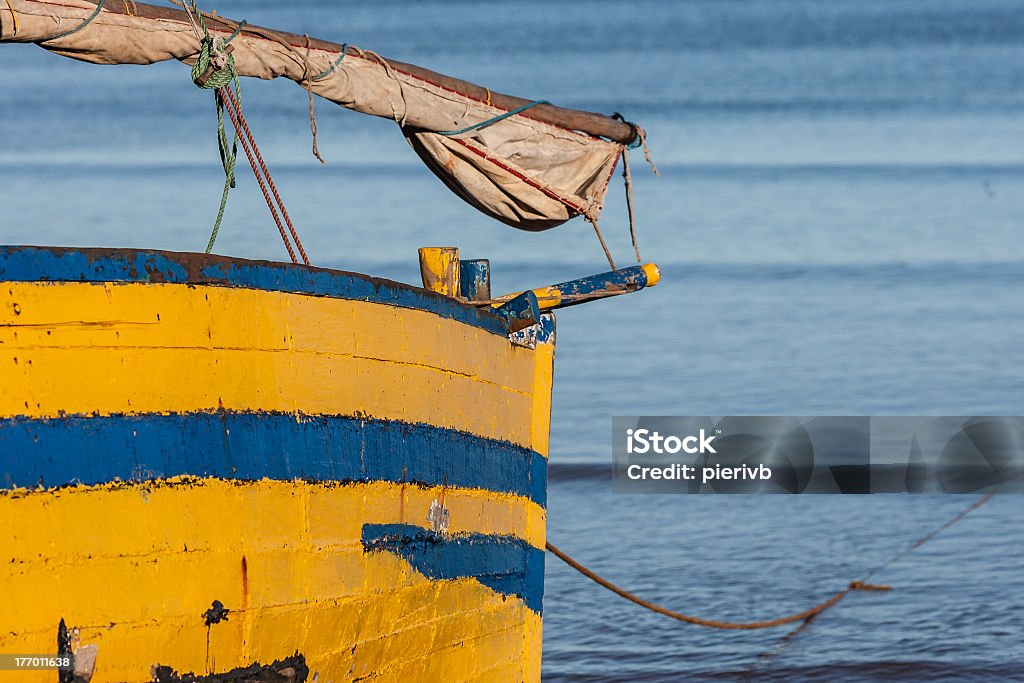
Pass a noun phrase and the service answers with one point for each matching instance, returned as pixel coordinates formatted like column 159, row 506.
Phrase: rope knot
column 861, row 586
column 214, row 67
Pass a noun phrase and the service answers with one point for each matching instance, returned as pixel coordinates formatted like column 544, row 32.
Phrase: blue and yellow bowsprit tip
column 216, row 464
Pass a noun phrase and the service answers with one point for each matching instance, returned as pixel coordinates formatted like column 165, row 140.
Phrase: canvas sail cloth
column 523, row 172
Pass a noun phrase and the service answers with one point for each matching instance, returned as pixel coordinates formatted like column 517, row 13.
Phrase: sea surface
column 839, row 220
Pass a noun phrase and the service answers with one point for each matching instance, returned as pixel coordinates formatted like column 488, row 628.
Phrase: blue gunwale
column 72, row 264
column 96, row 450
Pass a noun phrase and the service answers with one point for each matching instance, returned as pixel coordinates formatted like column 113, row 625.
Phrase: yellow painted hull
column 353, row 469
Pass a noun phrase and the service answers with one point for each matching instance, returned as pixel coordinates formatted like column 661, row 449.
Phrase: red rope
column 259, row 168
column 804, row 616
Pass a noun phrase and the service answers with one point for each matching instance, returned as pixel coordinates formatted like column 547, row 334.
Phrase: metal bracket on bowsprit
column 519, row 313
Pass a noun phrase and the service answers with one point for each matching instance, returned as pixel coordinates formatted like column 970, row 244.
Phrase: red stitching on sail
column 529, row 181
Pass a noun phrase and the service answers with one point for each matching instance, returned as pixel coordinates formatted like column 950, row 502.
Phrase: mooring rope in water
column 804, row 616
column 931, row 534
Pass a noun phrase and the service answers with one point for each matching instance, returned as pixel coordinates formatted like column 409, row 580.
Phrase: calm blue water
column 839, row 219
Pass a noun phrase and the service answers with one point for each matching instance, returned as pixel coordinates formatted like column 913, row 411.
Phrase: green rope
column 488, row 122
column 88, row 20
column 218, row 78
column 320, row 77
column 227, row 160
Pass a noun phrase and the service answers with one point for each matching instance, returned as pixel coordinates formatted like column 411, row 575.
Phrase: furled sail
column 530, row 165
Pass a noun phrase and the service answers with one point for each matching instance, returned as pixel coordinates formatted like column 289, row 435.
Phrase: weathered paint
column 249, row 446
column 591, row 288
column 475, row 279
column 261, row 418
column 503, row 563
column 439, row 270
column 519, row 312
column 52, row 264
column 172, row 348
column 288, row 670
column 135, row 567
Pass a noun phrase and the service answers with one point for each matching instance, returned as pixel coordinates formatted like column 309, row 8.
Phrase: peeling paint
column 438, row 516
column 57, row 264
column 216, row 614
column 288, row 670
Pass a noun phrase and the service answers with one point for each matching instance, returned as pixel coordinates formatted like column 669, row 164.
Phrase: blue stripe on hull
column 504, row 564
column 34, row 264
column 251, row 446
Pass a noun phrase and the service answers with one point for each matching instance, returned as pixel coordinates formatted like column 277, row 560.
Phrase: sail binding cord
column 804, row 616
column 88, row 20
column 335, row 65
column 627, row 177
column 14, row 17
column 639, row 140
column 309, row 90
column 491, row 121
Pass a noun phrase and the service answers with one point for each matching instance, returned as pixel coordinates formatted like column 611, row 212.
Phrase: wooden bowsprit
column 591, row 288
